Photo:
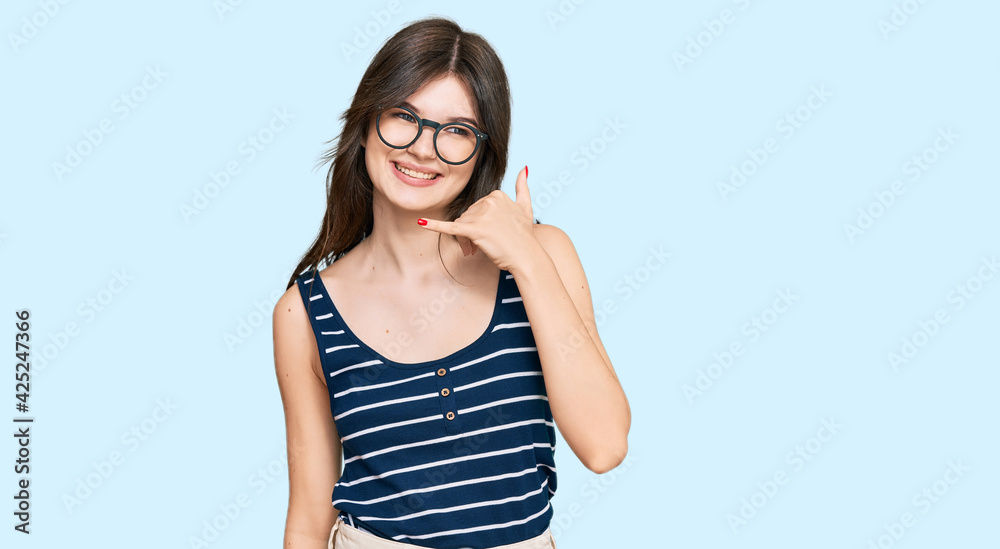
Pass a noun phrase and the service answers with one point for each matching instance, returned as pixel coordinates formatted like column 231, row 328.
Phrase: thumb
column 521, row 195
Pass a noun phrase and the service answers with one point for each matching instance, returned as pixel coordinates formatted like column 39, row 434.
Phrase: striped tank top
column 454, row 452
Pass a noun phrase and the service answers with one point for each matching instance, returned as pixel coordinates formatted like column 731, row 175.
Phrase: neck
column 398, row 249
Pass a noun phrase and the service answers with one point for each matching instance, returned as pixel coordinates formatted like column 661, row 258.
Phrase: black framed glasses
column 454, row 142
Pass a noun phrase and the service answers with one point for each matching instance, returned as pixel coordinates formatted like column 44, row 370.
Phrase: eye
column 460, row 131
column 403, row 115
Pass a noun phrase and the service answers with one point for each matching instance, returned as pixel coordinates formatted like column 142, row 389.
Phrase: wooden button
column 445, row 392
column 441, row 371
column 450, row 415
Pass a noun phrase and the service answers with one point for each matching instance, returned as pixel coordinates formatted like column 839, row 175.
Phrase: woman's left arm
column 587, row 401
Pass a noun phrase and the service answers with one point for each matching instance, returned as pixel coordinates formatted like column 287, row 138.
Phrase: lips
column 415, row 173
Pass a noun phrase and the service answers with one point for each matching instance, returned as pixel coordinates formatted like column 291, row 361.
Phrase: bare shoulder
column 289, row 311
column 558, row 245
column 560, row 249
column 293, row 339
column 544, row 230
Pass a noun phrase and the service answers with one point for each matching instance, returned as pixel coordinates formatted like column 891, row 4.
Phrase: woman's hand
column 501, row 228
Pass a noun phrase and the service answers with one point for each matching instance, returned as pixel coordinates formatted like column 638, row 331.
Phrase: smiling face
column 414, row 178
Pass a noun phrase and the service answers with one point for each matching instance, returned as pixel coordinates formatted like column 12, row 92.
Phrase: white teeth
column 411, row 173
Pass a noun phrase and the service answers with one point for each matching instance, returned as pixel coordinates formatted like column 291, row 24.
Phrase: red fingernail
column 421, row 221
column 526, row 171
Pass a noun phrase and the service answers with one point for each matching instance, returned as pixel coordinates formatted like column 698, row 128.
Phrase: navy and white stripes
column 454, row 452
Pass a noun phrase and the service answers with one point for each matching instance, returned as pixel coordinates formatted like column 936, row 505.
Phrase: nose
column 424, row 145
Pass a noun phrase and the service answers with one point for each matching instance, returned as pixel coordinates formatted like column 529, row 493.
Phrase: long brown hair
column 419, row 53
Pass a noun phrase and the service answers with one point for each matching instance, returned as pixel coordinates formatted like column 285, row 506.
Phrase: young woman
column 433, row 356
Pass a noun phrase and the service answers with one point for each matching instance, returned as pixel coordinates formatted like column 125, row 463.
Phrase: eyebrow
column 468, row 121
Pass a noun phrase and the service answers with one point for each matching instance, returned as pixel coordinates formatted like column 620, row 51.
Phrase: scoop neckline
column 414, row 365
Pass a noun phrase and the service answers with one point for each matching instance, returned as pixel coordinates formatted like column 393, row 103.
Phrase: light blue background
column 163, row 336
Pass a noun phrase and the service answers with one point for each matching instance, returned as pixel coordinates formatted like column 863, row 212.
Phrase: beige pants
column 345, row 536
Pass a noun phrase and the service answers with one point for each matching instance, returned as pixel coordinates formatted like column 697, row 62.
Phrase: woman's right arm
column 314, row 449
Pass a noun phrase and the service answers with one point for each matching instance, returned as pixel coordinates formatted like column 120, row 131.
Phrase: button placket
column 449, row 410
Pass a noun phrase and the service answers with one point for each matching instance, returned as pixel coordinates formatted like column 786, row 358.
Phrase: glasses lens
column 455, row 142
column 398, row 127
